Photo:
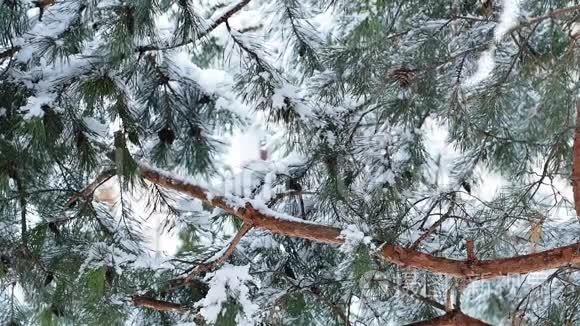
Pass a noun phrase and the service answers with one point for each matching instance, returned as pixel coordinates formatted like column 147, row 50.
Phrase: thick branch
column 452, row 318
column 270, row 220
column 143, row 301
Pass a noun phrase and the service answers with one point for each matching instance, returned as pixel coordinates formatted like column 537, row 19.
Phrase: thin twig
column 553, row 14
column 87, row 193
column 213, row 264
column 222, row 19
column 435, row 225
column 415, row 295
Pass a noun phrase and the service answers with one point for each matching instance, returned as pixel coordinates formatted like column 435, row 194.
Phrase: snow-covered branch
column 266, row 219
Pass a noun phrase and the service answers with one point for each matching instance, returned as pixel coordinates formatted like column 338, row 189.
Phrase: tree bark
column 452, row 318
column 143, row 301
column 267, row 219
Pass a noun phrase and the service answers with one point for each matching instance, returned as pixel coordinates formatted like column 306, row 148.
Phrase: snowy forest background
column 285, row 162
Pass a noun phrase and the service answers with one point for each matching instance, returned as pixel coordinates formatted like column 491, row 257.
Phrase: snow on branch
column 228, row 281
column 508, row 18
column 353, row 237
column 265, row 219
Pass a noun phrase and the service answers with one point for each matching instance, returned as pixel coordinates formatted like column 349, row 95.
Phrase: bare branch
column 213, row 264
column 554, row 13
column 143, row 301
column 431, row 229
column 87, row 193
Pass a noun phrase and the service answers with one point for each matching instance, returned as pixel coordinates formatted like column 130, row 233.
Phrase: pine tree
column 421, row 162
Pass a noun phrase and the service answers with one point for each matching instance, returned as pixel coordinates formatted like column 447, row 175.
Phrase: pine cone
column 404, row 76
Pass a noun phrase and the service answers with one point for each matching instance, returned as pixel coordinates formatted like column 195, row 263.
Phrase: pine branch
column 222, row 19
column 279, row 196
column 9, row 52
column 552, row 14
column 22, row 201
column 452, row 318
column 433, row 227
column 335, row 308
column 226, row 16
column 294, row 227
column 415, row 295
column 143, row 301
column 213, row 264
column 576, row 161
column 87, row 193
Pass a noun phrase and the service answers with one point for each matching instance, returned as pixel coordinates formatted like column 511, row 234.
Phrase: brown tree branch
column 553, row 13
column 470, row 250
column 433, row 227
column 87, row 193
column 144, row 301
column 213, row 264
column 270, row 220
column 231, row 247
column 452, row 318
column 9, row 52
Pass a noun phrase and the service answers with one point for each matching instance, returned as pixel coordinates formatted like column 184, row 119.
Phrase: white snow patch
column 95, row 126
column 508, row 18
column 228, row 281
column 211, row 80
column 575, row 30
column 35, row 103
column 292, row 93
column 485, row 66
column 353, row 236
column 282, row 92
